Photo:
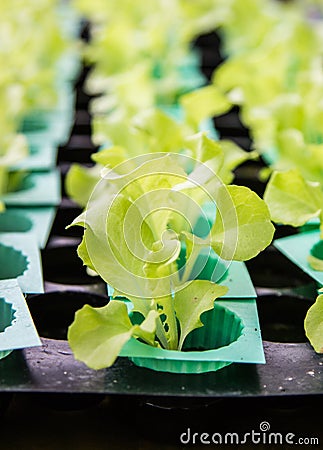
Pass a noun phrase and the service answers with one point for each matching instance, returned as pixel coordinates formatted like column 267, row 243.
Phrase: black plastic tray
column 291, row 369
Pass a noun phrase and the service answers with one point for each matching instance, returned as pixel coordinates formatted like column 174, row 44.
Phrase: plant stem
column 161, row 334
column 321, row 225
column 3, row 180
column 170, row 324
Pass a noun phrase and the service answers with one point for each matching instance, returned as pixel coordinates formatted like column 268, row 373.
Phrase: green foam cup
column 231, row 334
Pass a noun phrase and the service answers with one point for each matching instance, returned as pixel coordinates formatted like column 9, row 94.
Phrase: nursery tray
column 37, row 220
column 69, row 66
column 56, row 123
column 21, row 260
column 21, row 333
column 297, row 248
column 39, row 189
column 42, row 155
column 57, row 132
column 52, row 123
column 291, row 369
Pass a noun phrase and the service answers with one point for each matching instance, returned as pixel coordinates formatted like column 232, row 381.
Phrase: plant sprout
column 140, row 236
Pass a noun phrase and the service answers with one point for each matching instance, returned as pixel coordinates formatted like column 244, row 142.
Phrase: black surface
column 291, row 369
column 78, row 149
column 273, row 270
column 133, row 423
column 65, row 214
column 53, row 312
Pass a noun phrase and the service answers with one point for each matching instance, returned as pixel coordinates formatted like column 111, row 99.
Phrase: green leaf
column 235, row 155
column 204, row 149
column 159, row 130
column 111, row 157
column 314, row 324
column 144, row 306
column 97, row 335
column 191, row 301
column 242, row 227
column 291, row 199
column 80, row 182
column 204, row 103
column 126, row 235
column 148, row 181
column 84, row 255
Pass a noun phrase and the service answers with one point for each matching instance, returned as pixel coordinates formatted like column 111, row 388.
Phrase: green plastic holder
column 311, row 225
column 37, row 220
column 189, row 72
column 69, row 66
column 20, row 259
column 37, row 189
column 42, row 155
column 17, row 329
column 66, row 99
column 270, row 156
column 53, row 126
column 70, row 20
column 190, row 78
column 231, row 334
column 297, row 248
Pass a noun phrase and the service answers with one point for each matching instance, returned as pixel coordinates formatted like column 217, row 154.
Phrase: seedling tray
column 54, row 125
column 69, row 65
column 20, row 259
column 19, row 331
column 36, row 220
column 291, row 369
column 46, row 120
column 297, row 248
column 42, row 154
column 38, row 189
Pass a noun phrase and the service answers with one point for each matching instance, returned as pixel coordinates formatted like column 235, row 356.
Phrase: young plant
column 145, row 132
column 139, row 228
column 294, row 201
column 314, row 324
column 287, row 131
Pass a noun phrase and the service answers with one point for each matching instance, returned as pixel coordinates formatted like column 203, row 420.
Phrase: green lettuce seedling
column 314, row 324
column 98, row 334
column 294, row 201
column 146, row 131
column 137, row 227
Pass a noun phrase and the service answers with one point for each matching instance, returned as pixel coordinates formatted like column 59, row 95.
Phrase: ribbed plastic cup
column 222, row 327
